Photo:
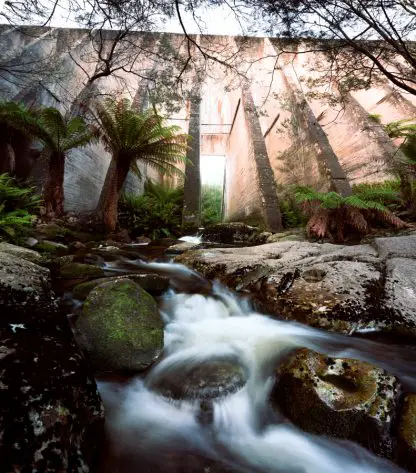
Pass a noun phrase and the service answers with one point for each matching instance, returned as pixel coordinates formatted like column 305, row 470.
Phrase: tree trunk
column 7, row 158
column 108, row 204
column 54, row 189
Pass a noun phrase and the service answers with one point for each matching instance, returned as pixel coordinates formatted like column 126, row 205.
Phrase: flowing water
column 151, row 433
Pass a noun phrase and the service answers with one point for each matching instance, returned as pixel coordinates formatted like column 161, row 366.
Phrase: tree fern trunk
column 108, row 204
column 54, row 189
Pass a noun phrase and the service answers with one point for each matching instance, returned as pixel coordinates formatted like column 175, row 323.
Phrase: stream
column 240, row 432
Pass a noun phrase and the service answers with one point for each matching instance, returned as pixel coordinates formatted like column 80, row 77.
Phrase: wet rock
column 407, row 434
column 24, row 286
column 396, row 247
column 324, row 285
column 121, row 327
column 52, row 247
column 289, row 235
column 235, row 232
column 20, row 252
column 122, row 236
column 341, row 398
column 51, row 416
column 400, row 293
column 181, row 248
column 164, row 242
column 152, row 283
column 209, row 380
column 142, row 239
column 52, row 231
column 80, row 271
column 30, row 242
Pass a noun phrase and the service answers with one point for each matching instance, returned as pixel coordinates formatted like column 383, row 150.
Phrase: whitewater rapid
column 245, row 433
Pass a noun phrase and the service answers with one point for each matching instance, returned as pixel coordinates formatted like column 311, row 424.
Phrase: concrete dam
column 271, row 126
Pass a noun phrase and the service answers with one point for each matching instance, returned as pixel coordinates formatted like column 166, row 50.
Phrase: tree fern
column 331, row 215
column 16, row 205
column 134, row 137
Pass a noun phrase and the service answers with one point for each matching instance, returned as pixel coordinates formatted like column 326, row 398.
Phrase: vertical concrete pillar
column 191, row 216
column 327, row 159
column 267, row 185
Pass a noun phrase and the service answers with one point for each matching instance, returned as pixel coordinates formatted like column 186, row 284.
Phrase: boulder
column 51, row 416
column 20, row 252
column 340, row 398
column 121, row 327
column 24, row 287
column 233, row 233
column 208, row 380
column 406, row 453
column 152, row 283
column 181, row 248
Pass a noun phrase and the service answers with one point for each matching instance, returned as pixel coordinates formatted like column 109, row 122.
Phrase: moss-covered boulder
column 52, row 248
column 120, row 326
column 341, row 398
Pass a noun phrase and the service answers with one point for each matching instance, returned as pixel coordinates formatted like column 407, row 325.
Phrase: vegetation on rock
column 17, row 207
column 211, row 205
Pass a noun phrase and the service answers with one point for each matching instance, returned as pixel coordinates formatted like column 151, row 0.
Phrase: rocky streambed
column 208, row 383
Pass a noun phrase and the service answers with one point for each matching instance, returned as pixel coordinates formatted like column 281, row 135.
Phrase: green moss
column 50, row 247
column 124, row 325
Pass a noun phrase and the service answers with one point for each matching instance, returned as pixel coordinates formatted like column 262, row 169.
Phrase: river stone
column 80, row 272
column 400, row 293
column 52, row 247
column 20, row 252
column 121, row 327
column 209, row 380
column 407, row 434
column 341, row 398
column 26, row 287
column 152, row 283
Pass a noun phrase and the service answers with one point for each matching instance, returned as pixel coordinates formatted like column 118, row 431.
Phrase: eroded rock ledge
column 339, row 288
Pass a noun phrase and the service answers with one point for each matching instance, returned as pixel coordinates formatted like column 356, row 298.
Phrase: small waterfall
column 245, row 433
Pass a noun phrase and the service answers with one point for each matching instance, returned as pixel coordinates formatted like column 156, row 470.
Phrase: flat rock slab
column 400, row 292
column 396, row 247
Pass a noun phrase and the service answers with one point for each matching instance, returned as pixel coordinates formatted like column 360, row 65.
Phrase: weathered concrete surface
column 192, row 186
column 326, row 144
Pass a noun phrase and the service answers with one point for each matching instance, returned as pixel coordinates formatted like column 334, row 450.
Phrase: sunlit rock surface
column 341, row 288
